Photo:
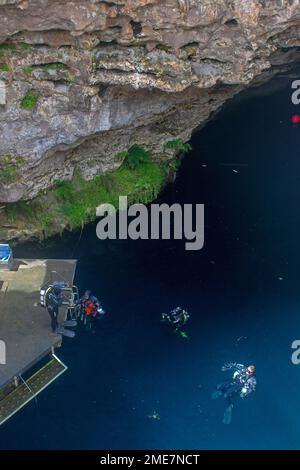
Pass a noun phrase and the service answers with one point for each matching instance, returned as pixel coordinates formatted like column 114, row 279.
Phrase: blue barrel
column 6, row 257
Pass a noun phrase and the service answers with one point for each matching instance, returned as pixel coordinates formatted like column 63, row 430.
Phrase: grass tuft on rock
column 135, row 156
column 178, row 146
column 4, row 68
column 28, row 69
column 9, row 168
column 29, row 101
column 55, row 66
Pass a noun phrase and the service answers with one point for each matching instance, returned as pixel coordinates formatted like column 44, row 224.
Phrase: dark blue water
column 245, row 282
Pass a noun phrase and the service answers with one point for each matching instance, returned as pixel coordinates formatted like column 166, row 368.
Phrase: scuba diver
column 52, row 297
column 176, row 319
column 89, row 308
column 243, row 382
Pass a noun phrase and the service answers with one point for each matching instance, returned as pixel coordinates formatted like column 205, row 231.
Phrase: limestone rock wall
column 86, row 79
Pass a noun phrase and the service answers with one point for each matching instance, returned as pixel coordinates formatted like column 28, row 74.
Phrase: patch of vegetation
column 9, row 168
column 73, row 203
column 135, row 157
column 54, row 66
column 121, row 155
column 28, row 69
column 4, row 68
column 146, row 191
column 178, row 145
column 172, row 165
column 11, row 212
column 26, row 209
column 65, row 191
column 14, row 210
column 8, row 174
column 29, row 101
column 24, row 46
column 79, row 201
column 7, row 47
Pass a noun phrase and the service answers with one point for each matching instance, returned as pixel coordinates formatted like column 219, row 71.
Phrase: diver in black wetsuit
column 243, row 383
column 177, row 318
column 53, row 302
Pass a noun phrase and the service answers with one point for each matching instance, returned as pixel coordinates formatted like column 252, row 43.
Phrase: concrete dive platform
column 26, row 332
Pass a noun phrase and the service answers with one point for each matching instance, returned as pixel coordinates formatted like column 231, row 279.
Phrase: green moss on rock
column 178, row 145
column 28, row 69
column 29, row 101
column 9, row 168
column 4, row 68
column 73, row 203
column 135, row 156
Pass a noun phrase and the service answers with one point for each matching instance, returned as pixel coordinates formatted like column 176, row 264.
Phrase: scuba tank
column 47, row 288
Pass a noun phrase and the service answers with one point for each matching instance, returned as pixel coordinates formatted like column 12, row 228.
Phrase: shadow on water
column 245, row 283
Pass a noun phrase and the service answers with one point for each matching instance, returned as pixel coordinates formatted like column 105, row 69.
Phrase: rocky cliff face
column 83, row 80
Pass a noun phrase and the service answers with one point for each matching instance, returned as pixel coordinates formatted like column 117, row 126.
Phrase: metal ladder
column 22, row 393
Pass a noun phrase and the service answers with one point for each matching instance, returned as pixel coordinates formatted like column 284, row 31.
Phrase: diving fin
column 69, row 323
column 62, row 331
column 183, row 334
column 227, row 415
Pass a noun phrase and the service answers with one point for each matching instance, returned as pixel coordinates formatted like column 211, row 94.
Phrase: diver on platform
column 243, row 383
column 54, row 300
